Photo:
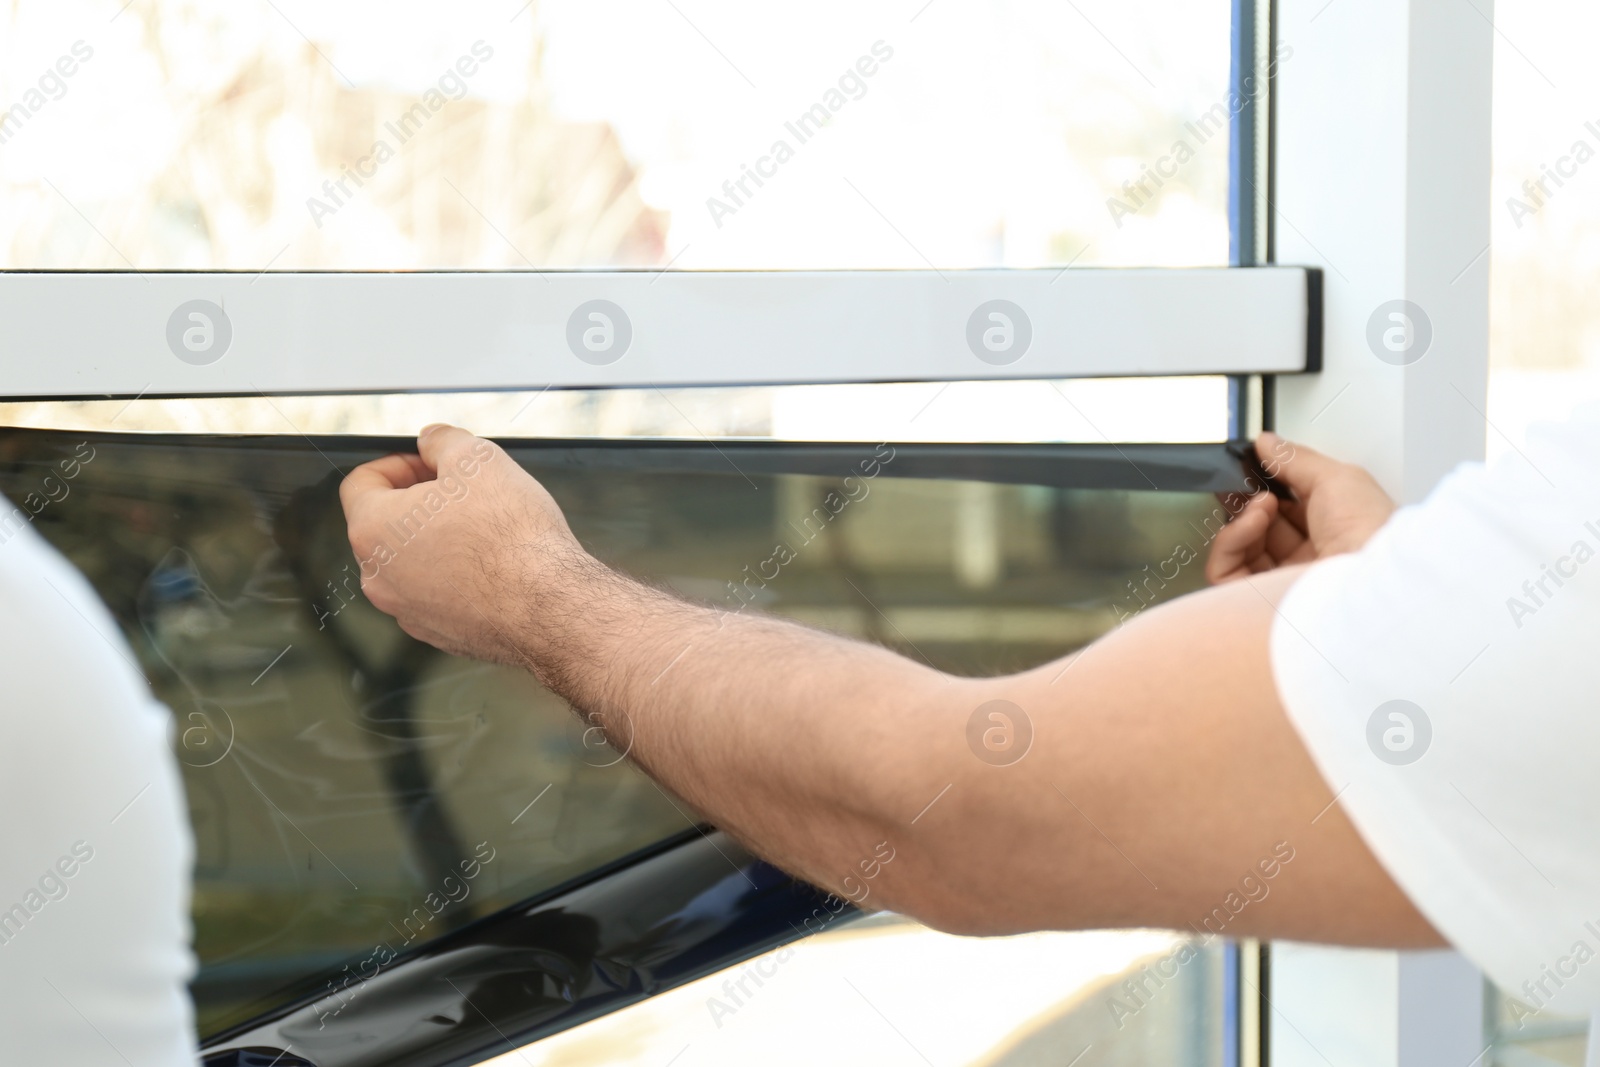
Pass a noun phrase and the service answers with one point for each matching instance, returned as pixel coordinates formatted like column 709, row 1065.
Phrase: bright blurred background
column 200, row 136
column 991, row 135
column 1544, row 323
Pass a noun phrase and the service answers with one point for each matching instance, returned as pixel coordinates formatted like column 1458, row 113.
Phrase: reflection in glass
column 1523, row 1035
column 1123, row 998
column 355, row 793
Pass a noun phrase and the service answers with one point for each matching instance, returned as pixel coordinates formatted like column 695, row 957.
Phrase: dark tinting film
column 355, row 793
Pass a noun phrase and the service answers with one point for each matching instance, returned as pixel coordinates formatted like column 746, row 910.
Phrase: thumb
column 1299, row 467
column 437, row 442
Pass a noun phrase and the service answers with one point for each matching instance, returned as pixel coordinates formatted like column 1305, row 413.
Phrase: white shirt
column 1481, row 607
column 96, row 859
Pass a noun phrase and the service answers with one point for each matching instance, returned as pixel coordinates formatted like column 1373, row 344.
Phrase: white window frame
column 125, row 334
column 1381, row 177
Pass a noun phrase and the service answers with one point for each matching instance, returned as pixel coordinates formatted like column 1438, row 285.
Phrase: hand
column 1339, row 506
column 456, row 543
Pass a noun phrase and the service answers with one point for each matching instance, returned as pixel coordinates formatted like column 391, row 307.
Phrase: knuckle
column 381, row 596
column 362, row 540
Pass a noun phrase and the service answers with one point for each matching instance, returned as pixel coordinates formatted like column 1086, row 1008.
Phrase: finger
column 1284, row 538
column 1233, row 501
column 419, row 469
column 1238, row 544
column 380, row 475
column 414, row 469
column 1294, row 512
column 440, row 440
column 1298, row 466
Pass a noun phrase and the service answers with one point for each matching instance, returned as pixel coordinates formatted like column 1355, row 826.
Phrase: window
column 498, row 134
column 360, row 799
column 890, row 992
column 360, row 773
column 1542, row 326
column 1544, row 216
column 1521, row 1034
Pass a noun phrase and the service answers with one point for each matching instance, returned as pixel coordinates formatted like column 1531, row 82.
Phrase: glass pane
column 702, row 133
column 351, row 788
column 348, row 787
column 893, row 992
column 1175, row 410
column 1544, row 323
column 1522, row 1034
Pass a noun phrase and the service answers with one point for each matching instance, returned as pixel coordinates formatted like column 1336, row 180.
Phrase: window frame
column 1379, row 173
column 689, row 872
column 180, row 334
column 1382, row 194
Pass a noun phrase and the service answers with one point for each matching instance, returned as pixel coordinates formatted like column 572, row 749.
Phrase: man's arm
column 1163, row 781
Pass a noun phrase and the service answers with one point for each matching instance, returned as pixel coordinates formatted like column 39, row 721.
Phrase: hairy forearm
column 1161, row 773
column 1139, row 784
column 802, row 744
